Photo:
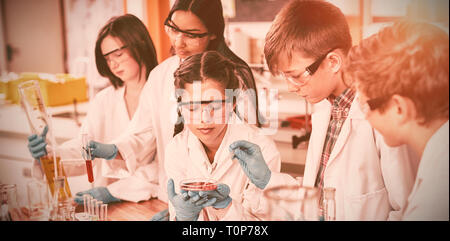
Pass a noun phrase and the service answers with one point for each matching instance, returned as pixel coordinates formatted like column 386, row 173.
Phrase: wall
column 83, row 20
column 34, row 31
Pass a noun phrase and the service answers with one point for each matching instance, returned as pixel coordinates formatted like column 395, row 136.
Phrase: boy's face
column 314, row 88
column 384, row 122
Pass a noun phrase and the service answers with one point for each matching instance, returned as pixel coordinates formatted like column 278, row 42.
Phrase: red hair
column 409, row 59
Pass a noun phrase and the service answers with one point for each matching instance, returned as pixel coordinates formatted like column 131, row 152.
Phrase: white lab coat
column 372, row 180
column 152, row 126
column 153, row 123
column 429, row 197
column 186, row 158
column 106, row 119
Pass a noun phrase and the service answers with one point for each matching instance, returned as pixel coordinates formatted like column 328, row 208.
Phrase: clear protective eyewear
column 309, row 71
column 191, row 39
column 117, row 55
column 212, row 112
column 373, row 104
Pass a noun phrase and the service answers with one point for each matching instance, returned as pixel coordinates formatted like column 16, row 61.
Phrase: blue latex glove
column 187, row 204
column 252, row 161
column 99, row 193
column 106, row 151
column 37, row 144
column 161, row 216
column 221, row 194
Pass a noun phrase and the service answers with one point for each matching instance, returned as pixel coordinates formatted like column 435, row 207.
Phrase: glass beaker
column 10, row 210
column 329, row 204
column 292, row 203
column 38, row 118
column 38, row 201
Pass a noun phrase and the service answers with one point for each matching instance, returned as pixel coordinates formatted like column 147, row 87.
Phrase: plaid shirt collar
column 341, row 104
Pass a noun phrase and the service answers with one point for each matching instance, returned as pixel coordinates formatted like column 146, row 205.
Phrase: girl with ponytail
column 207, row 87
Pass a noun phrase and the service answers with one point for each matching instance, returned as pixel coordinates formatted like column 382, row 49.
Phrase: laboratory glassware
column 61, row 202
column 10, row 210
column 329, row 204
column 86, row 154
column 38, row 118
column 104, row 212
column 39, row 204
column 291, row 203
column 85, row 215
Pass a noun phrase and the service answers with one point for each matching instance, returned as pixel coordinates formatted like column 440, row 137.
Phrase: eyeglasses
column 191, row 39
column 309, row 71
column 195, row 111
column 117, row 55
column 373, row 104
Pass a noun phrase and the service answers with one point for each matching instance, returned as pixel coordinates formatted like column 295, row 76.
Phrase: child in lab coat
column 402, row 74
column 125, row 54
column 307, row 44
column 206, row 89
column 193, row 26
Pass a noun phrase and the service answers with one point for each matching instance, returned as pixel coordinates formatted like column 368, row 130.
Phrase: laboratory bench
column 131, row 211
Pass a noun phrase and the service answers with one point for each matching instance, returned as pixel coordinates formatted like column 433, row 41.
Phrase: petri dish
column 198, row 184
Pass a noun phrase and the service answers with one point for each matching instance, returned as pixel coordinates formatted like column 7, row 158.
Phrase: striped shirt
column 339, row 113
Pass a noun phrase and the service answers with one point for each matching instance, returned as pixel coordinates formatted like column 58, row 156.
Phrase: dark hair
column 133, row 33
column 206, row 65
column 311, row 27
column 210, row 12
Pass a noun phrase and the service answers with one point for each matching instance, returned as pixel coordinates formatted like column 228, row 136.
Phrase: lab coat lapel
column 198, row 155
column 320, row 120
column 222, row 157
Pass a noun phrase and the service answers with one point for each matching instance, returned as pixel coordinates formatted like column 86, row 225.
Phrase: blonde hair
column 409, row 59
column 310, row 27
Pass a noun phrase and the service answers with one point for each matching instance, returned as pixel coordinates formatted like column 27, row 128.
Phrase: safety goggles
column 206, row 111
column 191, row 39
column 118, row 55
column 373, row 104
column 309, row 71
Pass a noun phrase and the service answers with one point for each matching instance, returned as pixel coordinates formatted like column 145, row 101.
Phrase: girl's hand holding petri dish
column 221, row 194
column 187, row 204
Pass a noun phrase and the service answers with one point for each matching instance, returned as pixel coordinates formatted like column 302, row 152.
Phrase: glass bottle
column 329, row 204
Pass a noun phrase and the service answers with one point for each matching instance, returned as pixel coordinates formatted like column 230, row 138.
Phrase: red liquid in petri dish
column 89, row 171
column 198, row 186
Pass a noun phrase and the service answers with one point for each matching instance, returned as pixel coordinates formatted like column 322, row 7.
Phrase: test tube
column 104, row 212
column 97, row 209
column 86, row 200
column 72, row 213
column 92, row 207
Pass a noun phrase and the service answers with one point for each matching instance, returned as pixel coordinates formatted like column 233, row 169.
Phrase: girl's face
column 206, row 110
column 188, row 35
column 119, row 59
